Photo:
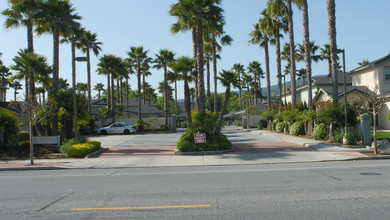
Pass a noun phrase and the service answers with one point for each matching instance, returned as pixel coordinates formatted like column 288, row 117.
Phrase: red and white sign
column 200, row 138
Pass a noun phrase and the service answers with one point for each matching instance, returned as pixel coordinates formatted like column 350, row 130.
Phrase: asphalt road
column 328, row 190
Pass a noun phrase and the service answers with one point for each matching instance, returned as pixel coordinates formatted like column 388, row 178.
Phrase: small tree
column 374, row 101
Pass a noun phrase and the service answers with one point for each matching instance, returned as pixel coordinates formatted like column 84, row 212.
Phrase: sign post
column 200, row 138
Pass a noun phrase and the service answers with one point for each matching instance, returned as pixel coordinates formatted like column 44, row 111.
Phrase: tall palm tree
column 228, row 79
column 15, row 84
column 89, row 42
column 194, row 15
column 163, row 59
column 56, row 16
column 185, row 65
column 21, row 13
column 4, row 73
column 174, row 77
column 331, row 7
column 261, row 35
column 207, row 58
column 277, row 10
column 247, row 80
column 239, row 70
column 292, row 52
column 254, row 67
column 138, row 57
column 99, row 87
column 82, row 88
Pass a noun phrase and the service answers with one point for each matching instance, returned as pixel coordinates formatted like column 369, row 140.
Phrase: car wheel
column 104, row 132
column 127, row 131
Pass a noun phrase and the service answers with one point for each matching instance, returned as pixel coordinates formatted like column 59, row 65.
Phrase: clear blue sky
column 362, row 30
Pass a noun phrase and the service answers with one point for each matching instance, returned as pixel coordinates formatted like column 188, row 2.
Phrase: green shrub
column 353, row 138
column 273, row 125
column 297, row 129
column 80, row 150
column 23, row 142
column 182, row 125
column 9, row 130
column 280, row 127
column 162, row 127
column 239, row 123
column 320, row 132
column 338, row 136
column 85, row 130
column 262, row 124
column 186, row 143
column 66, row 144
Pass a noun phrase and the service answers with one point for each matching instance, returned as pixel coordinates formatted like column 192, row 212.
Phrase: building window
column 387, row 73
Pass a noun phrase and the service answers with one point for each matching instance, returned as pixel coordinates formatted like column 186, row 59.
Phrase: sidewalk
column 319, row 151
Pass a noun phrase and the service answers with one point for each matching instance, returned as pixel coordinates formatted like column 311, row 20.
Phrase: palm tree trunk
column 187, row 101
column 208, row 84
column 112, row 97
column 89, row 81
column 223, row 110
column 127, row 93
column 214, row 53
column 306, row 41
column 139, row 91
column 255, row 86
column 195, row 52
column 201, row 91
column 143, row 88
column 267, row 74
column 118, row 94
column 166, row 107
column 108, row 92
column 56, row 68
column 278, row 64
column 292, row 54
column 176, row 98
column 121, row 83
column 333, row 47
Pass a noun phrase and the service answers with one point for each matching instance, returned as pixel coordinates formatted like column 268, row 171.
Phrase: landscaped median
column 73, row 149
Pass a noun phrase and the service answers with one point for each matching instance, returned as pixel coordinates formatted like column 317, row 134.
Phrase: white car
column 117, row 128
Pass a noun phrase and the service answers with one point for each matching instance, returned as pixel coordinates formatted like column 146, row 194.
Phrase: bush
column 273, row 125
column 9, row 130
column 182, row 125
column 23, row 142
column 353, row 138
column 239, row 123
column 280, row 127
column 67, row 143
column 262, row 124
column 320, row 132
column 162, row 127
column 297, row 129
column 338, row 136
column 80, row 150
column 186, row 143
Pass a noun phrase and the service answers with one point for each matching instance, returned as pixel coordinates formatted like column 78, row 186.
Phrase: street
column 326, row 190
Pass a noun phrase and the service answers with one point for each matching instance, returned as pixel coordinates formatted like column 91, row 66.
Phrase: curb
column 95, row 153
column 204, row 152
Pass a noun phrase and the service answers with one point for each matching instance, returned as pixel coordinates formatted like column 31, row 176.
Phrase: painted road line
column 146, row 207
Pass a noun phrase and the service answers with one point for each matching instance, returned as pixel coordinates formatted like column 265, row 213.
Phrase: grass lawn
column 381, row 135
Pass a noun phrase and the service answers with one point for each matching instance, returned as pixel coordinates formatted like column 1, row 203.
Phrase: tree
column 4, row 74
column 99, row 87
column 277, row 10
column 239, row 70
column 195, row 15
column 15, row 84
column 174, row 77
column 228, row 79
column 56, row 17
column 364, row 62
column 292, row 53
column 163, row 59
column 138, row 57
column 185, row 65
column 255, row 68
column 82, row 88
column 89, row 42
column 22, row 13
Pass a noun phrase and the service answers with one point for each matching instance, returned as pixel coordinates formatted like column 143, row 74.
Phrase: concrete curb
column 95, row 153
column 204, row 152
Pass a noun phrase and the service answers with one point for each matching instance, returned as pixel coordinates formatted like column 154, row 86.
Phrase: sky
column 120, row 24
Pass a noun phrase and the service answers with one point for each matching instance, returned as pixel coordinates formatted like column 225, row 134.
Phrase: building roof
column 371, row 64
column 329, row 90
column 152, row 109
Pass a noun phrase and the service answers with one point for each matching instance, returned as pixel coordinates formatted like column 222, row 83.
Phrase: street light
column 345, row 91
column 78, row 59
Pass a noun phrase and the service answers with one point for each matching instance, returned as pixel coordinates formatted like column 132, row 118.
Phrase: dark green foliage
column 9, row 130
column 273, row 125
column 208, row 124
column 320, row 132
column 262, row 124
column 297, row 129
column 67, row 143
column 23, row 142
column 280, row 127
column 353, row 138
column 338, row 136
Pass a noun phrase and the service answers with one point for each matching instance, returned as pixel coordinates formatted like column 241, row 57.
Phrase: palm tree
column 163, row 59
column 247, row 80
column 145, row 72
column 228, row 79
column 207, row 58
column 292, row 53
column 277, row 10
column 331, row 7
column 138, row 57
column 174, row 77
column 255, row 68
column 4, row 73
column 239, row 70
column 261, row 35
column 89, row 42
column 195, row 15
column 99, row 87
column 30, row 65
column 21, row 13
column 325, row 55
column 15, row 84
column 82, row 88
column 364, row 62
column 56, row 16
column 185, row 65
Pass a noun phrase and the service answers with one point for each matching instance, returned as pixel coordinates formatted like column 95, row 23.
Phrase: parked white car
column 117, row 128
